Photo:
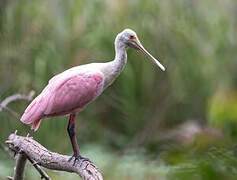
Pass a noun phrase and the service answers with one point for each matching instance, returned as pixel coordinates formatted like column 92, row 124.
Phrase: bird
column 72, row 90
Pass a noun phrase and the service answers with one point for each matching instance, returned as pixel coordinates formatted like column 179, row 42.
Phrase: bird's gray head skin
column 128, row 38
column 125, row 39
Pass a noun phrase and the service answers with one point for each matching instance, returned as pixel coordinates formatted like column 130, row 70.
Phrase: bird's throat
column 113, row 68
column 120, row 59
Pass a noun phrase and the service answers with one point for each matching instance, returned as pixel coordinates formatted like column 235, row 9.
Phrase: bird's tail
column 34, row 113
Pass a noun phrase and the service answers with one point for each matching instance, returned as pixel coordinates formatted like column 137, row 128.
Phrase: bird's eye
column 132, row 37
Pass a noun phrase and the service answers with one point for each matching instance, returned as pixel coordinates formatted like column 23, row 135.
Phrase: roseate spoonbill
column 70, row 91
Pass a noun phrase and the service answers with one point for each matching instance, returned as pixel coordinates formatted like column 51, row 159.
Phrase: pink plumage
column 66, row 93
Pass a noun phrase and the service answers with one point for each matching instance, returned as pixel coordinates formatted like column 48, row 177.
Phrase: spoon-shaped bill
column 139, row 45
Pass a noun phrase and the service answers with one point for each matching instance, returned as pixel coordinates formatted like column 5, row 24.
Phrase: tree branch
column 20, row 166
column 51, row 160
column 5, row 102
column 15, row 97
column 38, row 168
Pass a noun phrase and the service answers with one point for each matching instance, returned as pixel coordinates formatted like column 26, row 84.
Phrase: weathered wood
column 20, row 166
column 51, row 160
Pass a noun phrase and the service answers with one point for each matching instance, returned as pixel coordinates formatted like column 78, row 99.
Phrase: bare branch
column 5, row 102
column 38, row 168
column 15, row 97
column 51, row 160
column 20, row 166
column 43, row 174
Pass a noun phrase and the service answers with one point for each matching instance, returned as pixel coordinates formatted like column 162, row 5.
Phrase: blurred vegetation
column 178, row 124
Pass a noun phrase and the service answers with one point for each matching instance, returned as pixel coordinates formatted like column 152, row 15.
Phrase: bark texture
column 20, row 166
column 51, row 160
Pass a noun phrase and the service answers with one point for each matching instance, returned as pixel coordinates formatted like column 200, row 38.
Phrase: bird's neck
column 113, row 68
column 120, row 59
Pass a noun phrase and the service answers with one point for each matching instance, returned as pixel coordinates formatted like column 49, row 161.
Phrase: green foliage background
column 140, row 127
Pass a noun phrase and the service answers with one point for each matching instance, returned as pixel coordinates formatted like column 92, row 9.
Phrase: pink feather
column 65, row 93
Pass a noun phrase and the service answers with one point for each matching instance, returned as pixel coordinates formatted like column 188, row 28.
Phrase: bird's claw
column 77, row 158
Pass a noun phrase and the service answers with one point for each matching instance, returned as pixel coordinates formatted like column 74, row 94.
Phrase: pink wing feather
column 63, row 96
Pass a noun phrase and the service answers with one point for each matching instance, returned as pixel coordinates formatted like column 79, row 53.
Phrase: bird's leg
column 71, row 132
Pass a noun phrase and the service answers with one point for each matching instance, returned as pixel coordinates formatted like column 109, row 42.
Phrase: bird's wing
column 65, row 93
column 73, row 92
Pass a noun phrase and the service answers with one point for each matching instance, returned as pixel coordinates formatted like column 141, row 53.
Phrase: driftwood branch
column 51, row 160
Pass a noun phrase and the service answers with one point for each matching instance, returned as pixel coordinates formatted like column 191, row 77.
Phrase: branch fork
column 40, row 156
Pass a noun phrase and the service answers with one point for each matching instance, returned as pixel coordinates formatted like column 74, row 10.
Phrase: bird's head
column 128, row 38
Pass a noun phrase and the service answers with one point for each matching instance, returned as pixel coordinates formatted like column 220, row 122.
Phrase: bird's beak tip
column 140, row 47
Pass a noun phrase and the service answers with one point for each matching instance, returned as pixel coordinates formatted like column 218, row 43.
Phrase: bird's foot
column 77, row 158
